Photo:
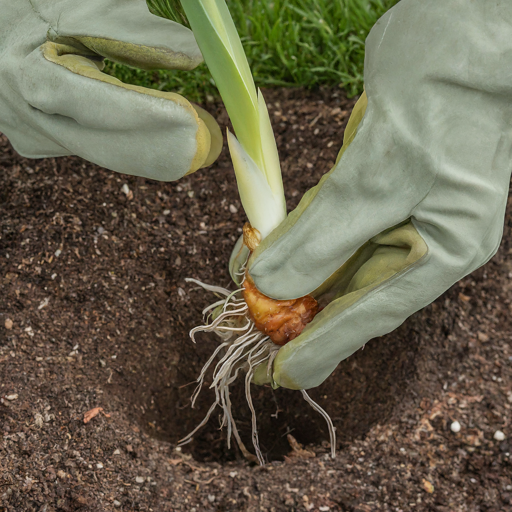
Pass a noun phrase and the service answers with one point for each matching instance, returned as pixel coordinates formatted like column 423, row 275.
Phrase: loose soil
column 95, row 312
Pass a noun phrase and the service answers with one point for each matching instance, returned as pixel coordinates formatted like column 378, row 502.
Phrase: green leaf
column 254, row 150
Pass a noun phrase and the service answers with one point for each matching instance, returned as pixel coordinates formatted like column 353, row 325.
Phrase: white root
column 327, row 418
column 243, row 348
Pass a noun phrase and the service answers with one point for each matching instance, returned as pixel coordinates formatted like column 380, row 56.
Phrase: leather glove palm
column 55, row 101
column 417, row 199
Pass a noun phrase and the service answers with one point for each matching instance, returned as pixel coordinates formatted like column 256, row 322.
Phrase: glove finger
column 121, row 127
column 373, row 294
column 391, row 277
column 126, row 32
column 354, row 202
column 240, row 253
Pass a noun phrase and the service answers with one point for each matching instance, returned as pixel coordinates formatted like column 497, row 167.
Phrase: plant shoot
column 251, row 326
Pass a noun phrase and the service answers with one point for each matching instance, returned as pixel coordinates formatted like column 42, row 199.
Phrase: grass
column 288, row 43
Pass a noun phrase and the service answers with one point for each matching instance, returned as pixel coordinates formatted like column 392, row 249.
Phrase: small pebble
column 44, row 303
column 8, row 324
column 117, row 503
column 139, row 479
column 499, row 435
column 38, row 420
column 117, row 452
column 427, row 486
column 455, row 427
column 484, row 338
column 233, row 208
column 12, row 397
column 211, row 498
column 125, row 189
column 99, row 465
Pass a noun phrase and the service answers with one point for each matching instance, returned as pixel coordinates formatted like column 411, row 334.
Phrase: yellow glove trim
column 138, row 56
column 353, row 124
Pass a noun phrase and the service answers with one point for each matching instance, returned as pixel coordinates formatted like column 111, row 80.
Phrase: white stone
column 499, row 435
column 455, row 427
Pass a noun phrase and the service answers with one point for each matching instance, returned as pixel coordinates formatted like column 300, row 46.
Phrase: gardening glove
column 55, row 100
column 417, row 199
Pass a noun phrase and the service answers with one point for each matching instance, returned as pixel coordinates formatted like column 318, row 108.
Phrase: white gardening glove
column 417, row 200
column 55, row 101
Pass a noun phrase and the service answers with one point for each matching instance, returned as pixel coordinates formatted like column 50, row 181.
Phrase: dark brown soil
column 95, row 312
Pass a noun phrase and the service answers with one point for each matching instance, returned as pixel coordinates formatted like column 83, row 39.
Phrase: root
column 243, row 348
column 327, row 418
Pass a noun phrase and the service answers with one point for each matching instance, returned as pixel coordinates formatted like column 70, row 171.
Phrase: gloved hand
column 417, row 199
column 55, row 101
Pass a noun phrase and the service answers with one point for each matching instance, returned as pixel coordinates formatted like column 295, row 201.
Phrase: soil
column 95, row 312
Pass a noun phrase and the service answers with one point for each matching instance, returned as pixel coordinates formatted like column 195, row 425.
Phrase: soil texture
column 95, row 313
